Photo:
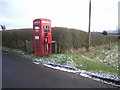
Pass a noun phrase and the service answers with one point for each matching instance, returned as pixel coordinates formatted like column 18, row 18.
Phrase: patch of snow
column 85, row 74
column 110, row 83
column 36, row 63
column 59, row 68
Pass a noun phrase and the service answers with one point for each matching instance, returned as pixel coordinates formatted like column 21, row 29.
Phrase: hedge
column 65, row 38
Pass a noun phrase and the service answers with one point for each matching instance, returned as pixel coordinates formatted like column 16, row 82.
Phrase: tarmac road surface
column 19, row 72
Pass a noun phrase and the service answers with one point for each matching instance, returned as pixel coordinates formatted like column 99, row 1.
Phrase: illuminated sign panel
column 45, row 22
column 36, row 22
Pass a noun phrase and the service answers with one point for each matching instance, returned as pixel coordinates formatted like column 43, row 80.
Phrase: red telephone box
column 42, row 33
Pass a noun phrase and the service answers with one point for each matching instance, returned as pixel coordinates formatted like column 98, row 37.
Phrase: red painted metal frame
column 42, row 37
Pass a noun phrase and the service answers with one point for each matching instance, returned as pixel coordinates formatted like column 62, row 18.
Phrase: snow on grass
column 60, row 68
column 108, row 57
column 58, row 59
column 70, row 63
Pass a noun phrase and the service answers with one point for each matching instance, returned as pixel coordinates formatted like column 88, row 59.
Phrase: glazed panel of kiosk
column 42, row 37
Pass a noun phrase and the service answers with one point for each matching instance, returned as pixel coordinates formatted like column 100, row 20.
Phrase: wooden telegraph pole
column 89, row 33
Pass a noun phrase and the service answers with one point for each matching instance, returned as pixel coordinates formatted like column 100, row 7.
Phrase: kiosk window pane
column 37, row 34
column 37, row 27
column 37, row 40
column 36, row 30
column 37, row 43
column 46, row 31
column 46, row 27
column 37, row 49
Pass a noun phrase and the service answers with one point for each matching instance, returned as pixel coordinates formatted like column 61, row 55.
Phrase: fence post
column 55, row 46
column 29, row 46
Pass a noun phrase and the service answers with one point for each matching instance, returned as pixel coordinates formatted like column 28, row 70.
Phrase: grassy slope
column 99, row 60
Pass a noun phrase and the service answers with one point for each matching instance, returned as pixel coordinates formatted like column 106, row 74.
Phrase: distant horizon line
column 65, row 27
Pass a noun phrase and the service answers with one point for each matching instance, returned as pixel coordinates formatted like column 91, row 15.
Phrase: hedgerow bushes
column 16, row 38
column 65, row 38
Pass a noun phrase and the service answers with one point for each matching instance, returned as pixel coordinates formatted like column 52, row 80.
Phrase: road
column 19, row 72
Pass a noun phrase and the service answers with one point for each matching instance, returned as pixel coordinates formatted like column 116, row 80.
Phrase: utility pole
column 89, row 33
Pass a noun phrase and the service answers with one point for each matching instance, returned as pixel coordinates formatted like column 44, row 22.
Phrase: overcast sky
column 62, row 13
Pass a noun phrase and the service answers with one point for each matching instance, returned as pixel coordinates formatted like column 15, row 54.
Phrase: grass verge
column 102, row 61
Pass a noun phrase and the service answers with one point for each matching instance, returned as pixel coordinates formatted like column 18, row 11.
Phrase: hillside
column 67, row 40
